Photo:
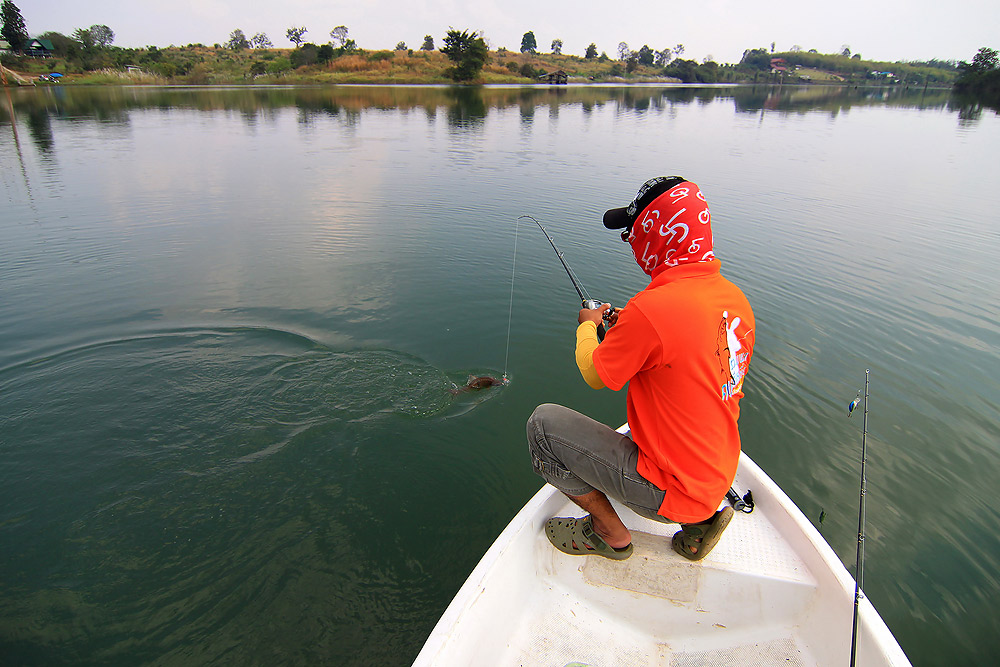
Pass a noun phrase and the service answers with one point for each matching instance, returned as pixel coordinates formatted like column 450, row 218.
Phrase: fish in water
column 477, row 382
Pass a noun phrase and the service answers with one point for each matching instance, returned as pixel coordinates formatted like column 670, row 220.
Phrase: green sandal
column 702, row 537
column 576, row 537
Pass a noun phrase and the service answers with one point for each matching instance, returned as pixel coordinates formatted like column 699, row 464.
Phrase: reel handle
column 594, row 304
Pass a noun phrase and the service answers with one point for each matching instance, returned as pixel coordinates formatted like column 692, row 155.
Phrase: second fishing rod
column 585, row 298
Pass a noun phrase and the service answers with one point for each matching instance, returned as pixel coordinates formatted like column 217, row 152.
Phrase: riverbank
column 201, row 65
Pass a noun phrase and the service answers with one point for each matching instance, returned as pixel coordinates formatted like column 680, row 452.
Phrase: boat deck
column 605, row 612
column 772, row 592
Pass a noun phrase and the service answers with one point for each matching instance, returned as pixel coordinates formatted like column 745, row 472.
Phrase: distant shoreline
column 203, row 65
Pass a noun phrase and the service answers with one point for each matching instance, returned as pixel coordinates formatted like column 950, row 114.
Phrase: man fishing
column 683, row 345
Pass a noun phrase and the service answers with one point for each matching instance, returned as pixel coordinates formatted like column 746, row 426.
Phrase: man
column 683, row 345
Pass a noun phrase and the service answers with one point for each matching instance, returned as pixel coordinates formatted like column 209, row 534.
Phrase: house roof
column 44, row 43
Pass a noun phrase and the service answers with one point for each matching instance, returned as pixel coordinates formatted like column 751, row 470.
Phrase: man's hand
column 595, row 315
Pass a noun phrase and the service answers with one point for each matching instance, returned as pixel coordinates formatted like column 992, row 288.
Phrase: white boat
column 772, row 592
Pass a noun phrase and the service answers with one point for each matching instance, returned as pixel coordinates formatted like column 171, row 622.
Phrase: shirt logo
column 733, row 360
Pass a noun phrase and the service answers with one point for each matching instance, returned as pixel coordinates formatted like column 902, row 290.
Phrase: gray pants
column 577, row 455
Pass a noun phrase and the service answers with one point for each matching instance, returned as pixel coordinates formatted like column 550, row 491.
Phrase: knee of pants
column 537, row 442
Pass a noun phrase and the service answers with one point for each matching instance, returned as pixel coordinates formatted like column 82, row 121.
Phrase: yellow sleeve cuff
column 586, row 343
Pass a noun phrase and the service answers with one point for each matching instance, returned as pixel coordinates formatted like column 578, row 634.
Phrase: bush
column 199, row 75
column 528, row 71
column 279, row 65
column 378, row 56
column 512, row 66
column 167, row 70
column 305, row 55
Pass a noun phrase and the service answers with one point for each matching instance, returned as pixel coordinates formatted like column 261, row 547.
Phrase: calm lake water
column 229, row 320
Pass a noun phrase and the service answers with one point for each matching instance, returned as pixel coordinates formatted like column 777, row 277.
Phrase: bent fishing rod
column 585, row 300
column 859, row 564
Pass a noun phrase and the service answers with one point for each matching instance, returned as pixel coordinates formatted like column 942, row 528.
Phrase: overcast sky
column 877, row 29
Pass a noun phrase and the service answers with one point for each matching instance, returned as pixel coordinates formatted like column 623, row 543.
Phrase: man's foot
column 694, row 541
column 576, row 537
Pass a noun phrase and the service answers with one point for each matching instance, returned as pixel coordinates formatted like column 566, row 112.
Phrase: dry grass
column 359, row 64
column 115, row 76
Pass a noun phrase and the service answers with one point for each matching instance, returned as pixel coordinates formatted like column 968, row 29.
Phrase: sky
column 883, row 30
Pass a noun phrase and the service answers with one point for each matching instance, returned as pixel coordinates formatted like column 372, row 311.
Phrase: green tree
column 428, row 44
column 103, row 35
column 981, row 77
column 591, row 51
column 623, row 51
column 325, row 54
column 468, row 51
column 756, row 59
column 86, row 40
column 237, row 41
column 294, row 35
column 401, row 46
column 339, row 35
column 557, row 45
column 646, row 56
column 528, row 43
column 14, row 30
column 261, row 41
column 663, row 57
column 985, row 60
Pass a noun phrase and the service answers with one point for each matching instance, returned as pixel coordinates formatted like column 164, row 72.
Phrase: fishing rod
column 860, row 559
column 585, row 300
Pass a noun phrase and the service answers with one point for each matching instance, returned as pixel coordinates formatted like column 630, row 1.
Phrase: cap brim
column 617, row 218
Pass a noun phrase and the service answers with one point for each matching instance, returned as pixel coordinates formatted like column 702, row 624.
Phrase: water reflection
column 466, row 106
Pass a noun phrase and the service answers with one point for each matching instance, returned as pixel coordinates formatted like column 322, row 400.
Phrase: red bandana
column 675, row 229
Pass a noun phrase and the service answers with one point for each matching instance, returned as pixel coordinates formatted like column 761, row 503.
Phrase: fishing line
column 585, row 298
column 510, row 309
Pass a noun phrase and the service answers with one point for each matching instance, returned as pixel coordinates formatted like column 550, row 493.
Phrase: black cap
column 624, row 218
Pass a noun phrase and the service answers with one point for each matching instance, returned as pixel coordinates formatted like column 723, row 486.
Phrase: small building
column 559, row 78
column 779, row 65
column 39, row 48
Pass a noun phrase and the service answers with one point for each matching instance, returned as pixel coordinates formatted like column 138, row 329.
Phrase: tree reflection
column 40, row 127
column 466, row 107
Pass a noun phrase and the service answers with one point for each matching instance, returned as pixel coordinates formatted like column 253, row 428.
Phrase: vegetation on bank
column 196, row 64
column 981, row 77
column 88, row 56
